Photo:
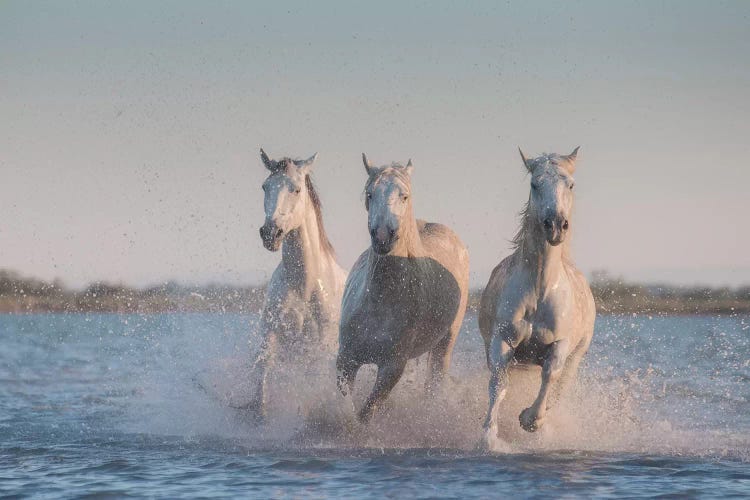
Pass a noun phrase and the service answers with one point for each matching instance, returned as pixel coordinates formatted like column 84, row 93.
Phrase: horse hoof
column 492, row 443
column 529, row 421
column 489, row 439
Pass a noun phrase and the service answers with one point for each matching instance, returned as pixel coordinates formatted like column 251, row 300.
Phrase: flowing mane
column 325, row 243
column 523, row 229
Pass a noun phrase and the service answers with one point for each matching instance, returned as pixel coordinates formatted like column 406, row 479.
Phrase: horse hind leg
column 532, row 418
column 439, row 362
column 388, row 376
column 570, row 373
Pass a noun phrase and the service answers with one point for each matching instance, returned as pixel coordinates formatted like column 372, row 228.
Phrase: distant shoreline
column 19, row 295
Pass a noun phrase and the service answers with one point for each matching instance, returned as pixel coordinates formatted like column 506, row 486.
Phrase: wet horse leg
column 499, row 355
column 439, row 362
column 262, row 364
column 532, row 418
column 388, row 376
column 346, row 374
column 570, row 372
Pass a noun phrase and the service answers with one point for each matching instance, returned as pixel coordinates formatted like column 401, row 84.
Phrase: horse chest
column 548, row 318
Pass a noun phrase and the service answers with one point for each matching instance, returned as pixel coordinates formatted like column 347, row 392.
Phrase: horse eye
column 533, row 186
column 405, row 197
column 571, row 187
column 369, row 196
column 297, row 191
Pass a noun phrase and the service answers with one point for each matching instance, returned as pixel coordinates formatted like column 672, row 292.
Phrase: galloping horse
column 303, row 299
column 406, row 294
column 537, row 307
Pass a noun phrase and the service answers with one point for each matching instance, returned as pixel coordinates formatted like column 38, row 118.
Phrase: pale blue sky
column 130, row 130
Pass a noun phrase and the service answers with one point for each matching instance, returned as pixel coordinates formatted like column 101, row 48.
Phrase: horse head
column 286, row 197
column 551, row 198
column 388, row 203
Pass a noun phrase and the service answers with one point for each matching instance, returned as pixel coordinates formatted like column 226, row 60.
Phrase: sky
column 130, row 131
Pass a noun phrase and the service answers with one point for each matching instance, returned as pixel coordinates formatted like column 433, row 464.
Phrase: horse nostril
column 548, row 223
column 278, row 232
column 565, row 225
column 391, row 232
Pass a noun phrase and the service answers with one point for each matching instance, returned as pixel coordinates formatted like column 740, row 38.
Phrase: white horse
column 303, row 298
column 406, row 294
column 537, row 307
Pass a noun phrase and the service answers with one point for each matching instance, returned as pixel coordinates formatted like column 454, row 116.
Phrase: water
column 114, row 405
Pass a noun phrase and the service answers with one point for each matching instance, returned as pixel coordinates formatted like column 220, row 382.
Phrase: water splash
column 622, row 402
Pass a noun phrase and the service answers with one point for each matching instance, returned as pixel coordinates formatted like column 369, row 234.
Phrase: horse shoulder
column 579, row 284
column 503, row 299
column 585, row 297
column 354, row 287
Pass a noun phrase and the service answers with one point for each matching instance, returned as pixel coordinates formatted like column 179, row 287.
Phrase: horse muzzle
column 555, row 229
column 383, row 240
column 272, row 236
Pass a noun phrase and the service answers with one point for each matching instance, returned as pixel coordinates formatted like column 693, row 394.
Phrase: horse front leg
column 499, row 356
column 532, row 418
column 263, row 363
column 388, row 376
column 346, row 374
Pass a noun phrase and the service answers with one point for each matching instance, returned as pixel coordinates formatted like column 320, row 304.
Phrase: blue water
column 113, row 405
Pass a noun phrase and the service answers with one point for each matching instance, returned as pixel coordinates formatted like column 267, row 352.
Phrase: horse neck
column 544, row 261
column 386, row 272
column 303, row 256
column 409, row 243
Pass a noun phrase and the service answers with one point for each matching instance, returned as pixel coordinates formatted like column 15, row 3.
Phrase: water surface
column 141, row 405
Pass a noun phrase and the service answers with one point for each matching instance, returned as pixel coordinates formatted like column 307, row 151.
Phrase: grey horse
column 537, row 307
column 405, row 296
column 303, row 299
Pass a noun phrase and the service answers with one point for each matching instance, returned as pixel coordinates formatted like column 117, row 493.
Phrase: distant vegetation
column 20, row 294
column 614, row 295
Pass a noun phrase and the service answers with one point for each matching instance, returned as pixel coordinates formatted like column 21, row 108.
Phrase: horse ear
column 368, row 165
column 572, row 160
column 525, row 161
column 409, row 167
column 306, row 163
column 269, row 163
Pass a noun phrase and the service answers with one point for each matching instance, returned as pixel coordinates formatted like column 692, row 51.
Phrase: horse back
column 444, row 245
